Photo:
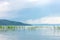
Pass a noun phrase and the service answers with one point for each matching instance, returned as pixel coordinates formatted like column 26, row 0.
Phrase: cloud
column 10, row 5
column 4, row 9
column 21, row 4
column 4, row 6
column 40, row 2
column 7, row 16
column 45, row 20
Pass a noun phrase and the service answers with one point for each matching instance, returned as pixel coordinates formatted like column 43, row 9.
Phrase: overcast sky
column 31, row 11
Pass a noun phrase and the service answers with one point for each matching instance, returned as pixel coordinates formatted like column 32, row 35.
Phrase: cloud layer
column 13, row 5
column 4, row 6
column 20, row 4
column 45, row 20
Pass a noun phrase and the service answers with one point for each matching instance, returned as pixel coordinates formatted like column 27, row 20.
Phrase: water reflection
column 39, row 33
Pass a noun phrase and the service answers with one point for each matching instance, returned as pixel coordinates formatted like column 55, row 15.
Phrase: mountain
column 8, row 22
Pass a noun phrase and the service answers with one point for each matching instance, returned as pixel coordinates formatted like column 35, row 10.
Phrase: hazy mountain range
column 8, row 22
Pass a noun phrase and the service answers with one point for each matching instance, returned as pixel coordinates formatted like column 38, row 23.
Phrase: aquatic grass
column 29, row 28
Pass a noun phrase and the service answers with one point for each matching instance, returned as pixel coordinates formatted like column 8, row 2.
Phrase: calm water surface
column 41, row 34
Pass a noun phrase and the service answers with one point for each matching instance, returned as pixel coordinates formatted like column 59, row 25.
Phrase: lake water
column 41, row 34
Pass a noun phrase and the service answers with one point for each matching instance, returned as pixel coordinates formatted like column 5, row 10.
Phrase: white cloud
column 8, row 15
column 4, row 6
column 10, row 5
column 45, row 20
column 40, row 2
column 3, row 14
column 20, row 4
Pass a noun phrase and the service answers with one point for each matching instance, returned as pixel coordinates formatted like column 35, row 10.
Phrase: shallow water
column 40, row 34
